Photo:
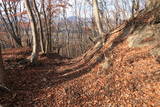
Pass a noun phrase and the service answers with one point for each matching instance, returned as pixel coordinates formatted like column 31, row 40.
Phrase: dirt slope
column 128, row 76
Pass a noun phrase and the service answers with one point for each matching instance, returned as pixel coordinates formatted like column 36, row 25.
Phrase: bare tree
column 11, row 20
column 35, row 49
column 97, row 19
column 40, row 25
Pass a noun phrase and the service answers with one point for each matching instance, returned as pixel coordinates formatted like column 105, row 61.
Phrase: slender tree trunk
column 35, row 49
column 3, row 88
column 46, row 32
column 135, row 7
column 97, row 19
column 41, row 29
column 49, row 27
column 96, row 14
column 1, row 68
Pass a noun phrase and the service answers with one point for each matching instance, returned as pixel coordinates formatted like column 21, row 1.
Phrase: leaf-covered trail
column 132, row 80
column 38, row 84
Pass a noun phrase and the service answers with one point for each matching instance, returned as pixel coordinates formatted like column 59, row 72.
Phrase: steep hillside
column 125, row 71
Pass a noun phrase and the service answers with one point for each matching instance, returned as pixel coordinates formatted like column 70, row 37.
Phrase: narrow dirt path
column 28, row 82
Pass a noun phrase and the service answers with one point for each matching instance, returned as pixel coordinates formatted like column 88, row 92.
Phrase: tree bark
column 3, row 88
column 41, row 27
column 1, row 68
column 35, row 49
column 97, row 19
column 45, row 26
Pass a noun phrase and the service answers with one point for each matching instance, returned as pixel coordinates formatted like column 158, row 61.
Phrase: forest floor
column 132, row 80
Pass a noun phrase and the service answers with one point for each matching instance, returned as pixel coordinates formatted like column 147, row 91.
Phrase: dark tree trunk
column 3, row 89
column 1, row 68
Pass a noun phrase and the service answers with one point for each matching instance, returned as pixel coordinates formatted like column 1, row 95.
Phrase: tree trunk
column 35, row 49
column 3, row 88
column 41, row 27
column 45, row 26
column 97, row 19
column 1, row 68
column 135, row 7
